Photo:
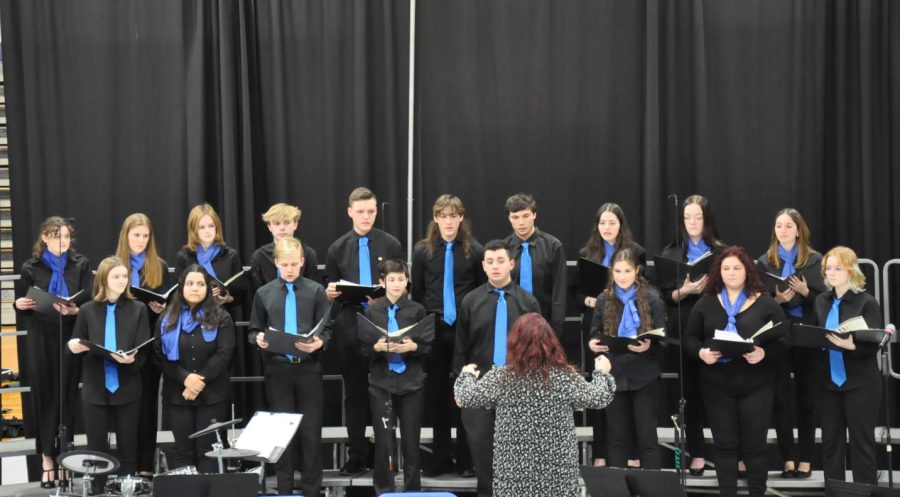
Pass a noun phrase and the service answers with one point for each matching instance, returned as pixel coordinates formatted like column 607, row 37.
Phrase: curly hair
column 752, row 285
column 533, row 349
column 612, row 306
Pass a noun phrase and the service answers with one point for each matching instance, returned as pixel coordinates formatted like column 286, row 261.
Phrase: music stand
column 268, row 434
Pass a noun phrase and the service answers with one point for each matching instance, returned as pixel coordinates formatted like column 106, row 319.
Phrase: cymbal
column 232, row 453
column 215, row 426
column 90, row 462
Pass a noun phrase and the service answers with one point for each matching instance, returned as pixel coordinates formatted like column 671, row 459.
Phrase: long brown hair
column 803, row 248
column 612, row 307
column 433, row 233
column 710, row 234
column 152, row 272
column 50, row 227
column 193, row 222
column 625, row 238
column 532, row 348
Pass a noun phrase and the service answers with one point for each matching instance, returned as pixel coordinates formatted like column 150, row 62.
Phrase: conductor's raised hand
column 602, row 364
column 471, row 369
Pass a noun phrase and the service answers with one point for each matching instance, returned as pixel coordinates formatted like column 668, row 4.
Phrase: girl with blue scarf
column 627, row 308
column 193, row 348
column 609, row 234
column 58, row 269
column 696, row 236
column 737, row 391
column 791, row 256
column 137, row 247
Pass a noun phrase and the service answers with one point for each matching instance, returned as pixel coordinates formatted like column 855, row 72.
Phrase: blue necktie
column 365, row 262
column 290, row 312
column 396, row 364
column 449, row 292
column 836, row 357
column 109, row 341
column 525, row 270
column 500, row 320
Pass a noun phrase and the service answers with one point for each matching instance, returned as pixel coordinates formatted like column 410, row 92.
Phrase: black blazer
column 860, row 364
column 196, row 355
column 132, row 329
column 815, row 283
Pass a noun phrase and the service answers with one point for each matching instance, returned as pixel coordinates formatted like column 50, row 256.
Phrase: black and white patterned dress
column 535, row 450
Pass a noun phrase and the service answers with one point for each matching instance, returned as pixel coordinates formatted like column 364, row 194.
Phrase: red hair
column 752, row 285
column 532, row 347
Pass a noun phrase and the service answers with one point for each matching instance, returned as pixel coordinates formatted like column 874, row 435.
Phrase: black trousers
column 634, row 412
column 694, row 414
column 147, row 418
column 854, row 411
column 439, row 399
column 97, row 424
column 408, row 408
column 354, row 368
column 739, row 420
column 298, row 388
column 185, row 420
column 42, row 355
column 801, row 399
column 480, row 430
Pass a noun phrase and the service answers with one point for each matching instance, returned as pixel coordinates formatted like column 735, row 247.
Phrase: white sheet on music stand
column 269, row 433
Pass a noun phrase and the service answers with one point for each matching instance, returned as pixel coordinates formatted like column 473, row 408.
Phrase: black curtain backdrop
column 154, row 106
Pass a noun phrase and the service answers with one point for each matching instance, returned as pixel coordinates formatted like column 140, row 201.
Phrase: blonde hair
column 152, row 274
column 282, row 212
column 193, row 223
column 287, row 246
column 99, row 289
column 847, row 257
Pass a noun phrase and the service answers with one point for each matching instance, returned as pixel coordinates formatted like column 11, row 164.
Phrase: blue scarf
column 732, row 309
column 609, row 250
column 789, row 257
column 57, row 264
column 137, row 263
column 205, row 257
column 631, row 318
column 695, row 251
column 186, row 323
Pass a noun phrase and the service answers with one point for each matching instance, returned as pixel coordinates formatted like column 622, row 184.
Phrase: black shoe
column 352, row 467
column 696, row 472
column 742, row 475
column 802, row 474
column 789, row 473
column 49, row 483
column 437, row 469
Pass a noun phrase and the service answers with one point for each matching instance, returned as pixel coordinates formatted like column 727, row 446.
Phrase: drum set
column 90, row 464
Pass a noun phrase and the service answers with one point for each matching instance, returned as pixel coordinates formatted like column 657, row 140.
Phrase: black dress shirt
column 475, row 324
column 227, row 263
column 428, row 274
column 262, row 265
column 34, row 272
column 860, row 364
column 210, row 360
column 548, row 273
column 814, row 281
column 408, row 313
column 132, row 329
column 268, row 310
column 633, row 371
column 708, row 315
column 342, row 262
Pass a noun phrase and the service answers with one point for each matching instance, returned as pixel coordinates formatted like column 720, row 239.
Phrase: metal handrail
column 877, row 273
column 886, row 306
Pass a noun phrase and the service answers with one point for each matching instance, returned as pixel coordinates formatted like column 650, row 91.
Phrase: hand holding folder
column 619, row 345
column 286, row 343
column 370, row 333
column 45, row 301
column 803, row 335
column 115, row 355
column 146, row 295
column 731, row 344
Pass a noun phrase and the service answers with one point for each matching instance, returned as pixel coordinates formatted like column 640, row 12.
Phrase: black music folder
column 421, row 332
column 146, row 296
column 772, row 281
column 108, row 353
column 283, row 343
column 731, row 344
column 354, row 293
column 619, row 345
column 45, row 300
column 229, row 283
column 671, row 273
column 592, row 277
column 804, row 335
